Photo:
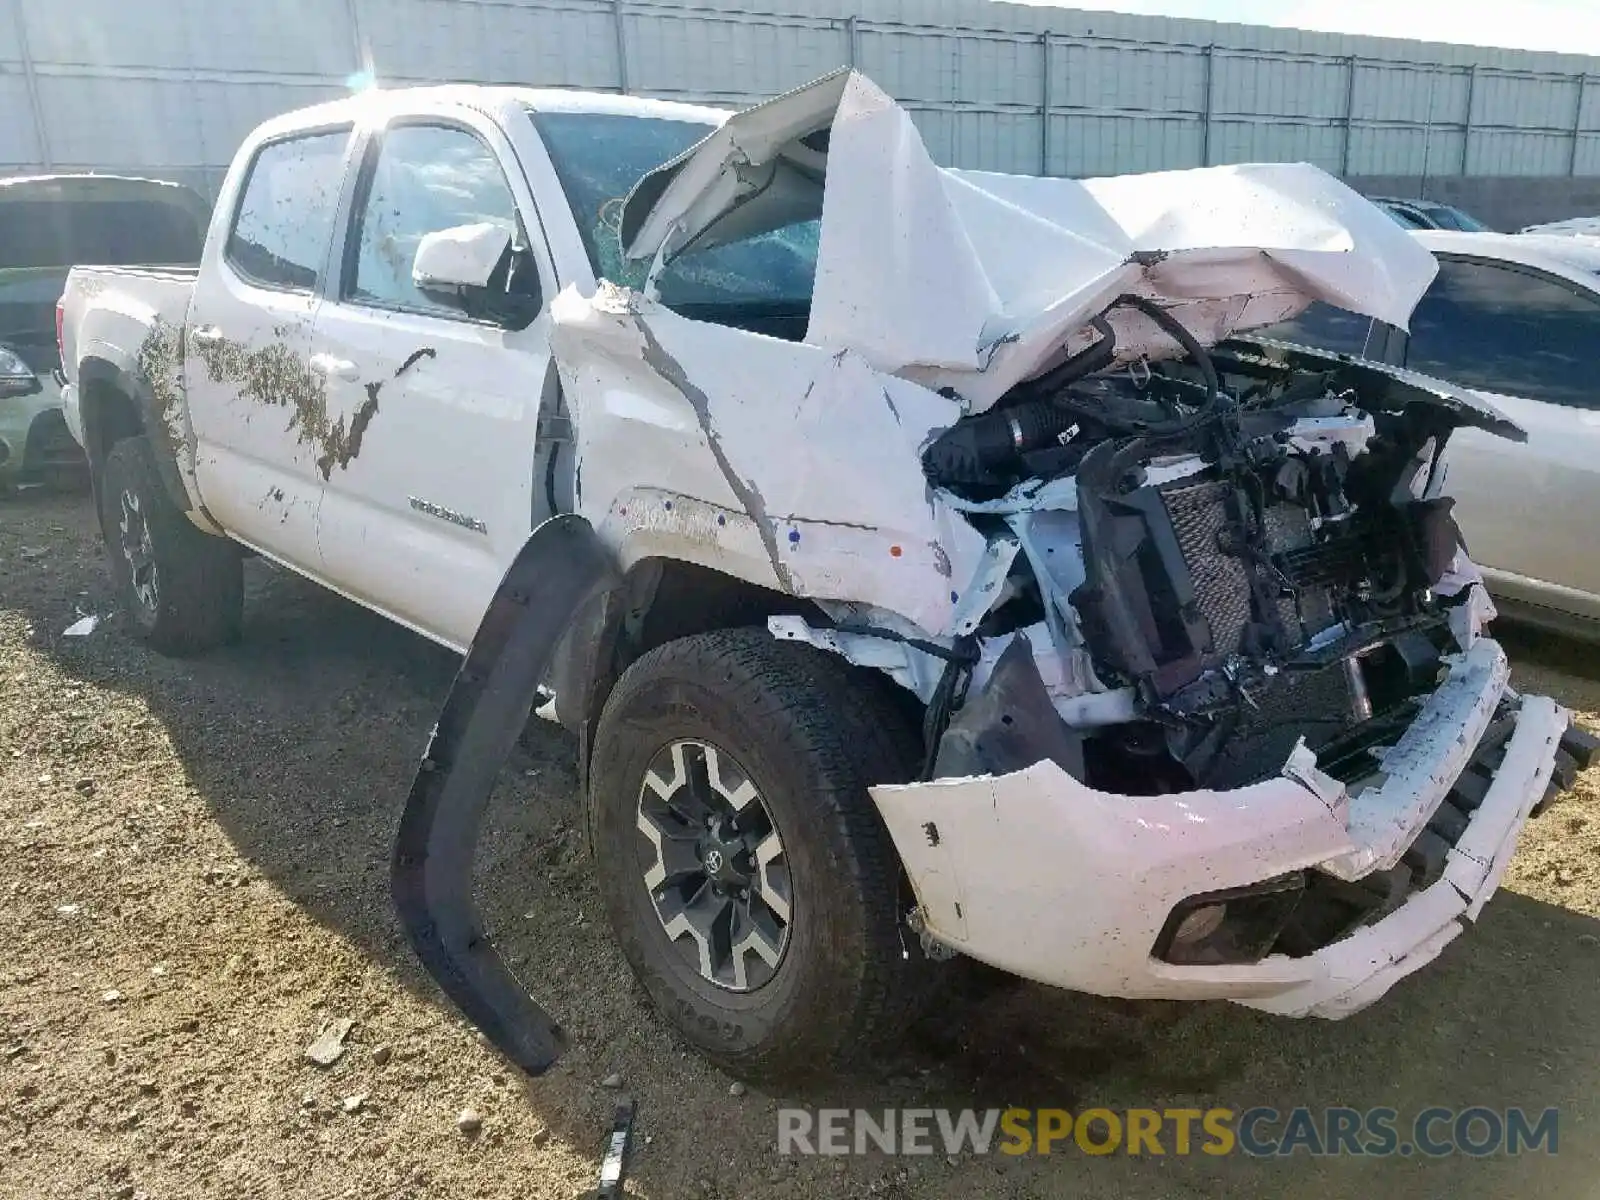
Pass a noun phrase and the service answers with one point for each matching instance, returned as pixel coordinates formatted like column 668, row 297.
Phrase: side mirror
column 469, row 266
column 464, row 256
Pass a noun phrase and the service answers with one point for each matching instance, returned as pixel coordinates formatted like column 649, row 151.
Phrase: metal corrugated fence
column 169, row 87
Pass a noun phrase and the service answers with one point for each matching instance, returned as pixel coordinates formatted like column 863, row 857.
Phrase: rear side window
column 284, row 221
column 1324, row 327
column 1508, row 331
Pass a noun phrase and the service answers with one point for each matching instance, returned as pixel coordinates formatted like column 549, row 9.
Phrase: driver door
column 432, row 489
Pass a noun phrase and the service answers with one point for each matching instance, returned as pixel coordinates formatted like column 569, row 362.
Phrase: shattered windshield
column 600, row 156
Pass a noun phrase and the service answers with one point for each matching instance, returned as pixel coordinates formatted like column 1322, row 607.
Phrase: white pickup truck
column 975, row 589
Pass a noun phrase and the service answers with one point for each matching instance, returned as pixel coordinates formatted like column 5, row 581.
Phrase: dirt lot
column 193, row 884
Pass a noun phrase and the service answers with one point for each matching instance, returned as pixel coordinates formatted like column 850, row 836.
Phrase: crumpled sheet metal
column 811, row 457
column 809, row 453
column 974, row 280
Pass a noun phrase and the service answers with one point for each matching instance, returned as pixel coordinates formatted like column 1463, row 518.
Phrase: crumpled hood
column 976, row 281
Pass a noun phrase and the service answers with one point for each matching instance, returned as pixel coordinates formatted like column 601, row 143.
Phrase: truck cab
column 305, row 305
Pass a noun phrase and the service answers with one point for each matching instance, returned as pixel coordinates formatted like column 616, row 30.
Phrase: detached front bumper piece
column 562, row 564
column 1040, row 875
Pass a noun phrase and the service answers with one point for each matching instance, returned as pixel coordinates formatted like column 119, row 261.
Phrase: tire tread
column 842, row 718
column 200, row 589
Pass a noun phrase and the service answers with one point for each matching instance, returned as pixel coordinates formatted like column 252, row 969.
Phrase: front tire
column 749, row 879
column 183, row 589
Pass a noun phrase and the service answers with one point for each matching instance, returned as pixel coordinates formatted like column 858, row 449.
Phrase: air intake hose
column 970, row 451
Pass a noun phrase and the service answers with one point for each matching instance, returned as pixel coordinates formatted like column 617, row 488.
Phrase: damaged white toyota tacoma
column 923, row 560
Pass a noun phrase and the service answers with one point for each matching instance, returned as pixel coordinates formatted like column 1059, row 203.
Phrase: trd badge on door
column 446, row 514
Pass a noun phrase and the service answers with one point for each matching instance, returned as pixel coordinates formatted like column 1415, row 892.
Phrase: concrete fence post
column 1045, row 103
column 1577, row 125
column 1351, row 64
column 357, row 42
column 1427, row 134
column 30, row 81
column 619, row 19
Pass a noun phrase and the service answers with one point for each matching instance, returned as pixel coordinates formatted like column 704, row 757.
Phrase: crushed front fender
column 562, row 564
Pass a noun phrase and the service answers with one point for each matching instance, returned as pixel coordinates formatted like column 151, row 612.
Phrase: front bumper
column 1040, row 875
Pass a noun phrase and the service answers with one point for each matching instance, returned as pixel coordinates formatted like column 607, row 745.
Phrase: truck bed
column 131, row 310
column 130, row 320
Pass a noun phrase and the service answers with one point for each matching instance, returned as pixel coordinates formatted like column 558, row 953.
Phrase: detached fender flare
column 560, row 567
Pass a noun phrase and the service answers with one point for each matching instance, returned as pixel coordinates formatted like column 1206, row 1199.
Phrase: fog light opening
column 1233, row 926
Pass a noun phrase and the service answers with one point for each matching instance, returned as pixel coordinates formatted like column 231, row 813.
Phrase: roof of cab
column 485, row 97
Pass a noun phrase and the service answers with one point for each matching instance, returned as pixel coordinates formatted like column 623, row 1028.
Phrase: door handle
column 206, row 335
column 330, row 367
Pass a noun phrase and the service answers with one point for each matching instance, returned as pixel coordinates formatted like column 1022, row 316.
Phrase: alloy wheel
column 714, row 865
column 134, row 531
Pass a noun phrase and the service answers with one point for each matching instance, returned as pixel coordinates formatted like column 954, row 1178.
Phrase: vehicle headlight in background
column 16, row 377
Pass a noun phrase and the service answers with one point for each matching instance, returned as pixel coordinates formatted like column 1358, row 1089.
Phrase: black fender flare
column 562, row 565
column 96, row 372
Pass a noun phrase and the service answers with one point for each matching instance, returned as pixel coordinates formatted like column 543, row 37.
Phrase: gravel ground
column 193, row 886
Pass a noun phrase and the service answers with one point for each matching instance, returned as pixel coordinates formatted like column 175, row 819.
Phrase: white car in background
column 1516, row 317
column 1571, row 227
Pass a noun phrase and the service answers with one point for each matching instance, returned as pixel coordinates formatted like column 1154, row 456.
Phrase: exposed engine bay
column 1187, row 559
column 1246, row 546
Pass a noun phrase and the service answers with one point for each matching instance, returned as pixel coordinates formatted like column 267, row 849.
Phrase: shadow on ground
column 302, row 742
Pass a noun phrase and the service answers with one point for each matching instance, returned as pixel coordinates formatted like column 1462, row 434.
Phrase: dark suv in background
column 48, row 223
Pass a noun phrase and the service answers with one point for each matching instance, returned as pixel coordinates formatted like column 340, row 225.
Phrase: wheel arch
column 116, row 402
column 660, row 600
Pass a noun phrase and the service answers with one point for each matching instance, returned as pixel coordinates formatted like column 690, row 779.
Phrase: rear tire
column 183, row 589
column 835, row 975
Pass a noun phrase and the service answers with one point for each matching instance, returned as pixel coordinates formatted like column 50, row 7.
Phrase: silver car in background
column 1516, row 317
column 1428, row 214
